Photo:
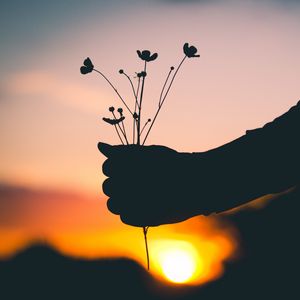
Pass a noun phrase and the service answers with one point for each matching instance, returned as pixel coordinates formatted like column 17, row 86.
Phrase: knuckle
column 112, row 206
column 106, row 168
column 107, row 187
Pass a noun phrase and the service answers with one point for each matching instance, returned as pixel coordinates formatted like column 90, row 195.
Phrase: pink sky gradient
column 51, row 115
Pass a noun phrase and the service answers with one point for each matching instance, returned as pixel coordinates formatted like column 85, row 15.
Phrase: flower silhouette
column 190, row 51
column 146, row 55
column 87, row 66
column 136, row 112
column 141, row 74
column 113, row 121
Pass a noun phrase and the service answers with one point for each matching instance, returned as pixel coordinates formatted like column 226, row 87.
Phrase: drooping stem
column 133, row 89
column 145, row 231
column 140, row 107
column 148, row 121
column 163, row 99
column 113, row 87
column 163, row 88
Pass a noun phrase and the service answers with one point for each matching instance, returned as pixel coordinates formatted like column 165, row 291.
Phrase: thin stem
column 123, row 132
column 114, row 90
column 163, row 100
column 144, row 126
column 140, row 107
column 159, row 103
column 145, row 231
column 118, row 134
column 135, row 107
column 133, row 89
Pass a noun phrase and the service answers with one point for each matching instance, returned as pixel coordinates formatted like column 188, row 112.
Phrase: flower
column 111, row 109
column 190, row 51
column 141, row 74
column 113, row 121
column 121, row 71
column 120, row 111
column 87, row 66
column 172, row 68
column 146, row 55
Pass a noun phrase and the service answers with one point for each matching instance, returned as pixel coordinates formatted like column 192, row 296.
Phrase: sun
column 178, row 265
column 178, row 261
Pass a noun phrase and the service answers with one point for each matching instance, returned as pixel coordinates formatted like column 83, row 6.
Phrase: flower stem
column 163, row 99
column 144, row 126
column 145, row 231
column 140, row 107
column 133, row 89
column 123, row 132
column 162, row 90
column 114, row 90
column 135, row 107
column 118, row 134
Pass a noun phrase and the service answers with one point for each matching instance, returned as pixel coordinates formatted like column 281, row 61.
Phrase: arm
column 153, row 185
column 264, row 161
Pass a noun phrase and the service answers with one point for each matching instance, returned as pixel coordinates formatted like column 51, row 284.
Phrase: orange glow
column 50, row 118
column 178, row 261
column 200, row 242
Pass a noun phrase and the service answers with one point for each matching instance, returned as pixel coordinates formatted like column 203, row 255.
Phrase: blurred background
column 51, row 115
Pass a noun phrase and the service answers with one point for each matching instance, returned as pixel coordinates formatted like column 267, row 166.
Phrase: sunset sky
column 51, row 115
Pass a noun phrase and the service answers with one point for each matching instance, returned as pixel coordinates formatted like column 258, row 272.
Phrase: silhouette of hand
column 147, row 185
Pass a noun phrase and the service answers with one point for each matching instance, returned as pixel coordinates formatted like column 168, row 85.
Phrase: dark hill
column 268, row 269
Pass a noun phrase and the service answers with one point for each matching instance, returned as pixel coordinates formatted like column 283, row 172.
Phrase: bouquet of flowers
column 140, row 129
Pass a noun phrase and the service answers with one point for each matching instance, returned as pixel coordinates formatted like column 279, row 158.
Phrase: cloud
column 74, row 94
column 46, row 209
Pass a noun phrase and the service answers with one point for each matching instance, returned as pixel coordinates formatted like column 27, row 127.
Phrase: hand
column 147, row 185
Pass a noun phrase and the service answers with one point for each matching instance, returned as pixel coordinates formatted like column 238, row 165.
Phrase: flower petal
column 88, row 63
column 84, row 70
column 139, row 53
column 186, row 48
column 153, row 57
column 146, row 54
column 193, row 50
column 113, row 121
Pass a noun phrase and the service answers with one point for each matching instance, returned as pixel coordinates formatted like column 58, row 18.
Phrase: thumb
column 106, row 149
column 109, row 150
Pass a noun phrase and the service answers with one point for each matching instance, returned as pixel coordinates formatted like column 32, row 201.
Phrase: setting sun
column 178, row 265
column 177, row 261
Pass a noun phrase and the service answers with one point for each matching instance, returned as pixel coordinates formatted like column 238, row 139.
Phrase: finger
column 117, row 168
column 113, row 206
column 138, row 220
column 107, row 187
column 131, row 221
column 109, row 150
column 107, row 168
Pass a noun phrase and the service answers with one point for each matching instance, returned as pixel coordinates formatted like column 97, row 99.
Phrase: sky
column 50, row 114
